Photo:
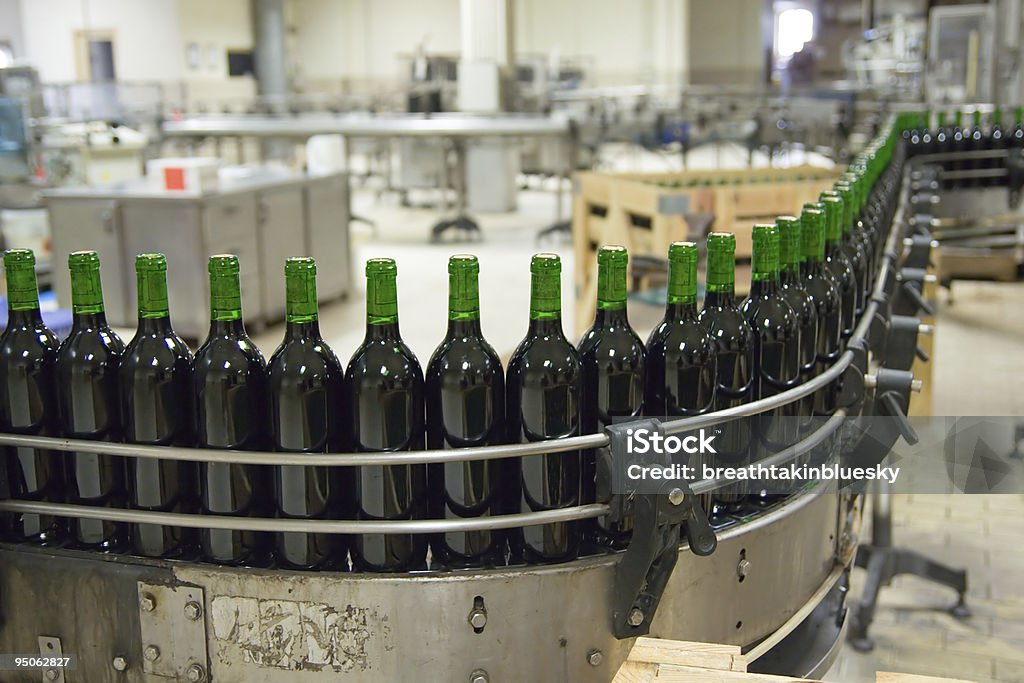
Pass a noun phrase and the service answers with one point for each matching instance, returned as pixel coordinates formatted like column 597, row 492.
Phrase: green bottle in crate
column 230, row 386
column 545, row 394
column 155, row 383
column 613, row 359
column 306, row 389
column 87, row 363
column 465, row 397
column 28, row 403
column 385, row 396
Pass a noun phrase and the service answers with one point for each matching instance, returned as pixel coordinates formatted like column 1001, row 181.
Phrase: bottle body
column 385, row 389
column 465, row 407
column 545, row 391
column 796, row 295
column 613, row 361
column 28, row 404
column 823, row 289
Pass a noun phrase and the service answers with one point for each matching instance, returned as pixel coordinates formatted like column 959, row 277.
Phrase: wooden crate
column 645, row 212
column 654, row 660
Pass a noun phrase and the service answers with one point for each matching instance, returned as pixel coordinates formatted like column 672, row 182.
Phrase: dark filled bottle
column 734, row 352
column 28, row 403
column 155, row 384
column 613, row 360
column 791, row 258
column 385, row 397
column 545, row 393
column 465, row 397
column 776, row 343
column 87, row 364
column 1016, row 137
column 306, row 410
column 839, row 265
column 823, row 289
column 230, row 386
column 995, row 139
column 974, row 141
column 849, row 246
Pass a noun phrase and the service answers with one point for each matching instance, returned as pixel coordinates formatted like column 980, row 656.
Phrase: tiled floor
column 978, row 350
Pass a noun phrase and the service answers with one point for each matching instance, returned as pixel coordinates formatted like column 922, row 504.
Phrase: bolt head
column 147, row 603
column 636, row 617
column 195, row 673
column 193, row 610
column 478, row 618
column 676, row 496
column 479, row 676
column 151, row 653
column 52, row 675
column 595, row 657
column 743, row 568
column 119, row 663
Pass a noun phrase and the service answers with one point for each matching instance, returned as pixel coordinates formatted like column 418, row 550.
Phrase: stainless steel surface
column 363, row 126
column 362, row 627
column 173, row 643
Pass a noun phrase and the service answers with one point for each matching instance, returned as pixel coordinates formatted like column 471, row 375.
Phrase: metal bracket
column 647, row 564
column 172, row 622
column 50, row 646
column 901, row 343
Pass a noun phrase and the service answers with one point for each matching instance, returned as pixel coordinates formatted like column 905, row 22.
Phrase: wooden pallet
column 654, row 660
column 645, row 212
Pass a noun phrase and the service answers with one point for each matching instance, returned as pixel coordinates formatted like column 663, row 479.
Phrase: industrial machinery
column 773, row 581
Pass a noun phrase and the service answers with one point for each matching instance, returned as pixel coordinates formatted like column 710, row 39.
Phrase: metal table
column 454, row 129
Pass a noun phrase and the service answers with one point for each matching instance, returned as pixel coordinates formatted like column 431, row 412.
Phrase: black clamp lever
column 909, row 299
column 901, row 347
column 646, row 566
column 884, row 418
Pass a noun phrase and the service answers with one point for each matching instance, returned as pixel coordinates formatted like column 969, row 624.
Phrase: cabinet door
column 172, row 228
column 327, row 214
column 281, row 218
column 78, row 224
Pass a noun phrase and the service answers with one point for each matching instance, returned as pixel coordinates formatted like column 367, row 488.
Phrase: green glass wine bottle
column 852, row 245
column 230, row 387
column 465, row 397
column 734, row 353
column 306, row 414
column 776, row 343
column 613, row 360
column 89, row 409
column 839, row 265
column 155, row 386
column 385, row 396
column 795, row 292
column 28, row 403
column 545, row 393
column 682, row 362
column 823, row 289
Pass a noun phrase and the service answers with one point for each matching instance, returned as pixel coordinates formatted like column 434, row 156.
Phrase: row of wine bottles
column 945, row 136
column 810, row 280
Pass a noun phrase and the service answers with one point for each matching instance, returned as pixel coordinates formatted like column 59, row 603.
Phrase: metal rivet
column 595, row 657
column 119, row 663
column 147, row 603
column 479, row 676
column 151, row 653
column 743, row 568
column 52, row 675
column 675, row 496
column 195, row 673
column 478, row 618
column 636, row 617
column 193, row 610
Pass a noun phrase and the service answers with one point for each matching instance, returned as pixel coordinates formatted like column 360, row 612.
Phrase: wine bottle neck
column 387, row 331
column 301, row 329
column 544, row 327
column 24, row 317
column 460, row 328
column 723, row 298
column 227, row 328
column 85, row 321
column 611, row 317
column 151, row 325
column 681, row 311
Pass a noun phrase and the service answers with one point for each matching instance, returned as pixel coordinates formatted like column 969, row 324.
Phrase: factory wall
column 726, row 42
column 10, row 26
column 213, row 28
column 146, row 36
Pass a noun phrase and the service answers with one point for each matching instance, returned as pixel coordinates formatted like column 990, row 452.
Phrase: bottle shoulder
column 307, row 355
column 538, row 351
column 387, row 358
column 29, row 341
column 144, row 347
column 610, row 342
column 769, row 315
column 679, row 335
column 800, row 301
column 222, row 350
column 92, row 345
column 725, row 321
column 458, row 354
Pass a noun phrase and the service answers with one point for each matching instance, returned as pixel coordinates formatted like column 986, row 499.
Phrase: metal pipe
column 317, row 526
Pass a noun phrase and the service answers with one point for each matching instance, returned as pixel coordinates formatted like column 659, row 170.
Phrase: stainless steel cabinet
column 263, row 222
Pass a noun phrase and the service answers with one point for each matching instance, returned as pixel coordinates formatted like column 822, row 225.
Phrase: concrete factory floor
column 983, row 533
